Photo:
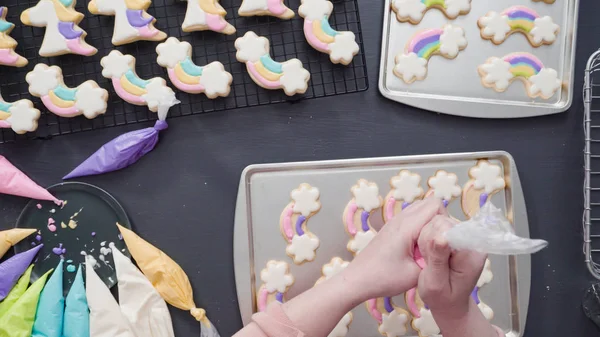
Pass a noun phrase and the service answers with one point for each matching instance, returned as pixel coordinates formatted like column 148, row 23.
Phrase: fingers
column 416, row 216
column 468, row 263
column 436, row 275
column 439, row 225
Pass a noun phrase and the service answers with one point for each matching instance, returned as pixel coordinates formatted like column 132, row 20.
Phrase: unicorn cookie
column 393, row 320
column 277, row 280
column 206, row 15
column 406, row 188
column 499, row 73
column 20, row 116
column 290, row 75
column 87, row 99
column 486, row 180
column 356, row 215
column 497, row 27
column 132, row 22
column 334, row 267
column 302, row 244
column 8, row 57
column 444, row 186
column 265, row 7
column 121, row 70
column 341, row 46
column 413, row 10
column 176, row 57
column 63, row 35
column 411, row 65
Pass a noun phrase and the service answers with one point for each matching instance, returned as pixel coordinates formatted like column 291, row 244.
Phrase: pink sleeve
column 272, row 323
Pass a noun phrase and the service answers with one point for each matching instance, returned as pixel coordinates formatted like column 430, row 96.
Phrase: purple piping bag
column 13, row 268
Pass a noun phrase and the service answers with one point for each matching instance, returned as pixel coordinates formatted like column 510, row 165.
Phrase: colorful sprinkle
column 39, row 206
column 71, row 268
column 63, row 225
column 94, row 234
column 59, row 250
column 52, row 228
column 38, row 237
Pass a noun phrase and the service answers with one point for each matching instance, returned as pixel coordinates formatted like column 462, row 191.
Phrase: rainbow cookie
column 486, row 180
column 8, row 57
column 87, row 99
column 411, row 65
column 406, row 188
column 132, row 22
column 206, row 15
column 293, row 221
column 290, row 75
column 211, row 79
column 485, row 278
column 444, row 186
column 393, row 320
column 334, row 267
column 366, row 200
column 499, row 73
column 341, row 46
column 121, row 70
column 63, row 35
column 265, row 7
column 413, row 10
column 20, row 116
column 277, row 280
column 497, row 27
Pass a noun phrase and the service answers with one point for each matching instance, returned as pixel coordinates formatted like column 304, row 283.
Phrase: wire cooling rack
column 286, row 37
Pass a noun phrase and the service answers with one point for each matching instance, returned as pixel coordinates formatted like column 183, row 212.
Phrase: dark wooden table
column 181, row 197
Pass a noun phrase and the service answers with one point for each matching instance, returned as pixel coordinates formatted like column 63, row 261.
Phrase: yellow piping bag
column 11, row 237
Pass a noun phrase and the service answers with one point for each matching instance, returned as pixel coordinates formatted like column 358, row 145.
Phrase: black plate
column 99, row 215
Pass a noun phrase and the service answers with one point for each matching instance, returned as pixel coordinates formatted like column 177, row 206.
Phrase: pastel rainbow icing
column 61, row 101
column 425, row 43
column 8, row 56
column 4, row 114
column 131, row 87
column 186, row 76
column 523, row 64
column 521, row 18
column 431, row 3
column 319, row 33
column 142, row 23
column 266, row 71
column 295, row 229
column 264, row 300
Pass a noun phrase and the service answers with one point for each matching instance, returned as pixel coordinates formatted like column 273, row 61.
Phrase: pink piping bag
column 14, row 181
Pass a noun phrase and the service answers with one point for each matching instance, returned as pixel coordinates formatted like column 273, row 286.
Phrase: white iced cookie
column 486, row 275
column 265, row 7
column 486, row 180
column 444, row 186
column 20, row 116
column 411, row 65
column 499, row 73
column 341, row 46
column 334, row 267
column 63, row 35
column 413, row 10
column 87, row 99
column 132, row 22
column 290, row 75
column 206, row 15
column 406, row 188
column 277, row 280
column 393, row 320
column 366, row 200
column 8, row 56
column 422, row 318
column 176, row 57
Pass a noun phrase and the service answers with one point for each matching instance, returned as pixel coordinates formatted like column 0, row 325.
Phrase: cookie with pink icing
column 302, row 243
column 406, row 189
column 20, row 116
column 334, row 267
column 63, row 35
column 413, row 11
column 206, row 15
column 8, row 56
column 392, row 319
column 356, row 217
column 277, row 280
column 265, row 7
column 486, row 180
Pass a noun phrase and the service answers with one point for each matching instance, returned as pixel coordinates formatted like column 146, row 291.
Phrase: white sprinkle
column 83, row 253
column 102, row 243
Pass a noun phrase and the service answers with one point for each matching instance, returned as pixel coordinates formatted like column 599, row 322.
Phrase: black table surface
column 182, row 195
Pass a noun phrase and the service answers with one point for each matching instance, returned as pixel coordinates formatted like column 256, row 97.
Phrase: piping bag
column 128, row 148
column 489, row 231
column 11, row 237
column 14, row 181
column 12, row 269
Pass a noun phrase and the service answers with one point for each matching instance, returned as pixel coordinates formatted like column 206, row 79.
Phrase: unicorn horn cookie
column 132, row 22
column 277, row 280
column 341, row 46
column 211, row 79
column 265, row 7
column 302, row 244
column 499, row 73
column 329, row 270
column 206, row 15
column 486, row 180
column 497, row 27
column 290, row 75
column 87, row 99
column 62, row 36
column 406, row 188
column 411, row 65
column 8, row 57
column 413, row 10
column 20, row 116
column 393, row 320
column 356, row 215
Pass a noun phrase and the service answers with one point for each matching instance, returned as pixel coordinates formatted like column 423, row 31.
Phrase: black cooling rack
column 286, row 37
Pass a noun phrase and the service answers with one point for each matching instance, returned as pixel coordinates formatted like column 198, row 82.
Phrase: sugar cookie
column 277, row 280
column 63, row 35
column 121, row 70
column 406, row 188
column 485, row 278
column 132, row 22
column 486, row 180
column 293, row 222
column 411, row 65
column 20, row 116
column 413, row 10
column 206, row 15
column 87, row 99
column 393, row 320
column 422, row 321
column 444, row 186
column 290, row 75
column 497, row 27
column 212, row 79
column 499, row 73
column 334, row 267
column 366, row 200
column 8, row 56
column 265, row 7
column 341, row 46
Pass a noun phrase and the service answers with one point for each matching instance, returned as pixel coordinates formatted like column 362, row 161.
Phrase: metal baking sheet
column 454, row 86
column 265, row 189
